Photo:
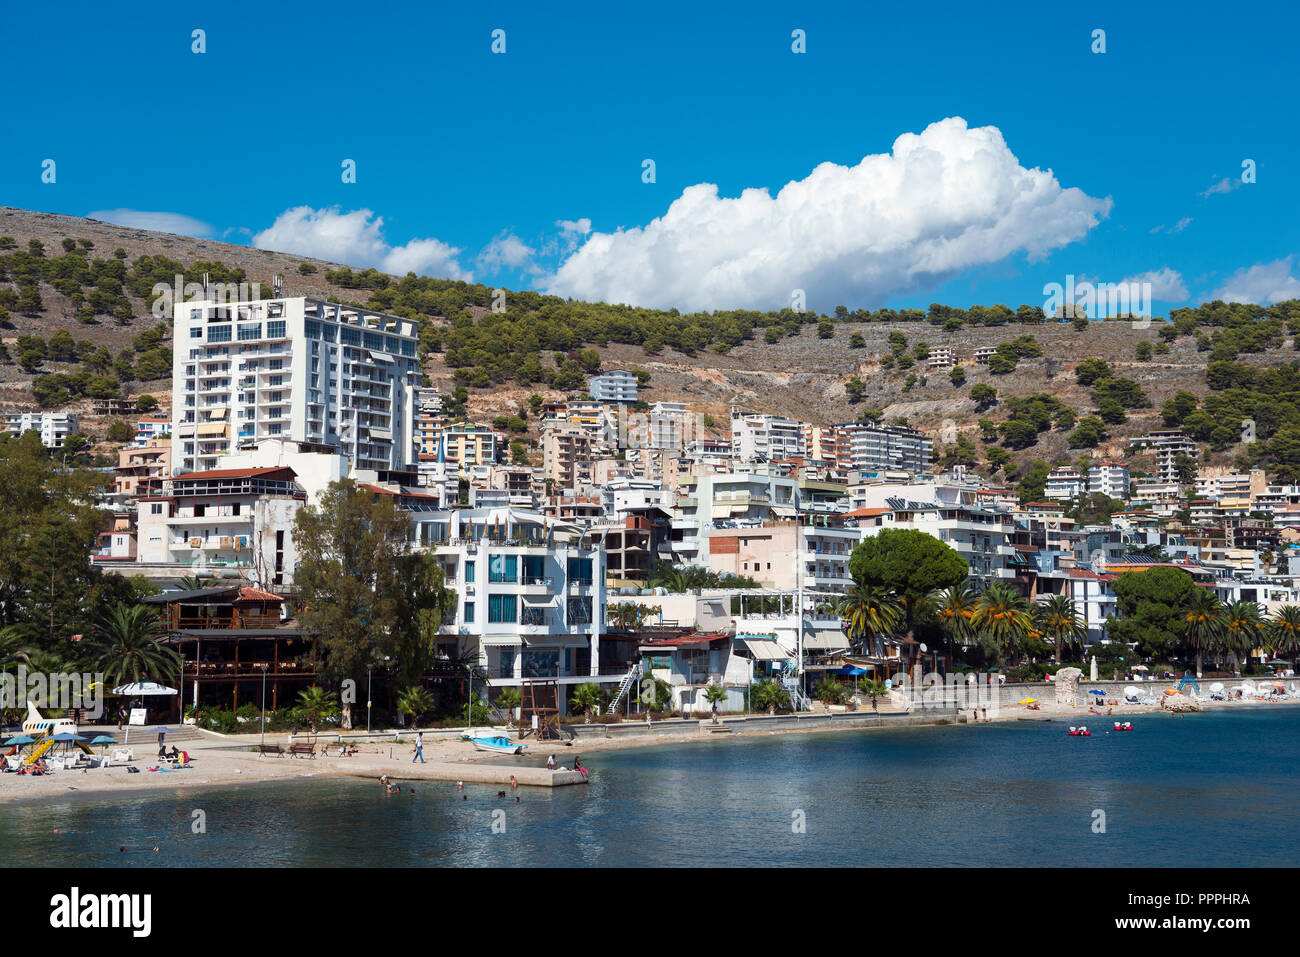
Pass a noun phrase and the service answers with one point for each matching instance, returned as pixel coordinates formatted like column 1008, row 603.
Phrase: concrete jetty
column 473, row 773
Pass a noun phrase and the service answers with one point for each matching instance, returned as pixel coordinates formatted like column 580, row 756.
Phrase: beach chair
column 123, row 756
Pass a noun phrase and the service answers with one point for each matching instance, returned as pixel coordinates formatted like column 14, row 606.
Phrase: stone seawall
column 759, row 723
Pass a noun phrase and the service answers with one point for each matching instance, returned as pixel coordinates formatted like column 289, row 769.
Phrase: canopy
column 826, row 640
column 143, row 689
column 851, row 670
column 762, row 648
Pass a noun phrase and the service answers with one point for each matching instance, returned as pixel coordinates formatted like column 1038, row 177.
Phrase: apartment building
column 152, row 427
column 467, row 445
column 566, row 447
column 53, row 427
column 1168, row 445
column 1065, row 483
column 829, row 444
column 618, row 386
column 530, row 596
column 142, row 469
column 1222, row 484
column 942, row 358
column 224, row 519
column 778, row 554
column 882, row 448
column 1110, row 479
column 301, row 369
column 710, row 499
column 764, row 438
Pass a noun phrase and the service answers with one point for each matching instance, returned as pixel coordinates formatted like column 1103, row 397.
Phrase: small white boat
column 501, row 745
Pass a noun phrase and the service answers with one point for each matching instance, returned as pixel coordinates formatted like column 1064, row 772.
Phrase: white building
column 616, row 386
column 765, row 438
column 875, row 447
column 238, row 520
column 1110, row 479
column 1064, row 484
column 304, row 369
column 530, row 596
column 53, row 427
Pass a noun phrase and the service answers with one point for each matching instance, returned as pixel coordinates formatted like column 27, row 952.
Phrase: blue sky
column 474, row 162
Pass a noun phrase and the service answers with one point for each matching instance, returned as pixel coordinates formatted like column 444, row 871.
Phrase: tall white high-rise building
column 302, row 369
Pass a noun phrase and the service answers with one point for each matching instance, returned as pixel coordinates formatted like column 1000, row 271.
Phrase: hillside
column 789, row 364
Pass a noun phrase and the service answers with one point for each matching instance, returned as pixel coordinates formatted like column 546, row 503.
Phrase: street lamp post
column 263, row 703
column 369, row 669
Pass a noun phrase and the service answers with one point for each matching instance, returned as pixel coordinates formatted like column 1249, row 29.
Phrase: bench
column 306, row 749
column 269, row 749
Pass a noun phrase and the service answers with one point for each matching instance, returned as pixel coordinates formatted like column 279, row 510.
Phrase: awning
column 500, row 641
column 555, row 641
column 824, row 640
column 210, row 429
column 763, row 649
column 218, row 414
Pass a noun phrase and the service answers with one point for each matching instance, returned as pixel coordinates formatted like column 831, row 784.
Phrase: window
column 349, row 336
column 250, row 330
column 155, row 508
column 502, row 608
column 469, row 613
column 196, row 332
column 374, row 341
column 218, row 333
column 580, row 570
column 503, row 568
column 275, row 330
column 311, row 329
column 469, row 572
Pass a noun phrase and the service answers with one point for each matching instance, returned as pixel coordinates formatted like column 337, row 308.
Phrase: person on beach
column 550, row 763
column 577, row 765
column 419, row 748
column 514, row 785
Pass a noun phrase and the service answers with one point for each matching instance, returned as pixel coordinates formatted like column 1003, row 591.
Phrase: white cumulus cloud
column 1263, row 283
column 356, row 239
column 159, row 222
column 509, row 251
column 942, row 201
column 1166, row 284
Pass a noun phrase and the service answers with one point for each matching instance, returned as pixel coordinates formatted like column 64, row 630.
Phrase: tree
column 1242, row 631
column 957, row 376
column 984, row 396
column 954, row 606
column 1032, row 486
column 1002, row 614
column 119, row 431
column 1090, row 370
column 507, row 700
column 871, row 612
column 910, row 564
column 1152, row 605
column 586, row 698
column 829, row 691
column 1090, row 433
column 146, row 403
column 365, row 593
column 715, row 695
column 769, row 696
column 316, row 703
column 854, row 390
column 415, row 701
column 128, row 647
column 1204, row 618
column 1056, row 618
column 1282, row 632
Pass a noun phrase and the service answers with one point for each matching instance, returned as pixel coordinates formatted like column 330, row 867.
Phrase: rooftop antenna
column 277, row 286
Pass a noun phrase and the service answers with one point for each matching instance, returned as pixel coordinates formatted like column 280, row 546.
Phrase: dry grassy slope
column 800, row 377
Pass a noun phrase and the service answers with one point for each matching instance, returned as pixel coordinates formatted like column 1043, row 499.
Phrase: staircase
column 628, row 680
column 798, row 700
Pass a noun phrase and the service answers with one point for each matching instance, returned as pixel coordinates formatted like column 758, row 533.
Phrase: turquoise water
column 1211, row 789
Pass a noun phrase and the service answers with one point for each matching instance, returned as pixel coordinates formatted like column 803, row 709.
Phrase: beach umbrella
column 104, row 740
column 19, row 740
column 1097, row 692
column 1141, row 668
column 140, row 689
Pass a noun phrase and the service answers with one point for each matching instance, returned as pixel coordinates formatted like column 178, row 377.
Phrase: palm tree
column 128, row 646
column 316, row 701
column 1058, row 620
column 13, row 645
column 954, row 607
column 415, row 701
column 769, row 696
column 586, row 698
column 507, row 700
column 1242, row 631
column 1002, row 613
column 874, row 689
column 1283, row 631
column 1204, row 617
column 715, row 695
column 872, row 611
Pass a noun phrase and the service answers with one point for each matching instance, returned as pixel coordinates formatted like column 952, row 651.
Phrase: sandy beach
column 219, row 762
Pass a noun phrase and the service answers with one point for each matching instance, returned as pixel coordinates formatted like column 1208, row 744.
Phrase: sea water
column 1208, row 789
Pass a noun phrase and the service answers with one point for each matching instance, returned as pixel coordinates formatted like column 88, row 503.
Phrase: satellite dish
column 923, row 648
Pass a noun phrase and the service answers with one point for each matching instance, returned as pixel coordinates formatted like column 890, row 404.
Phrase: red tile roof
column 235, row 473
